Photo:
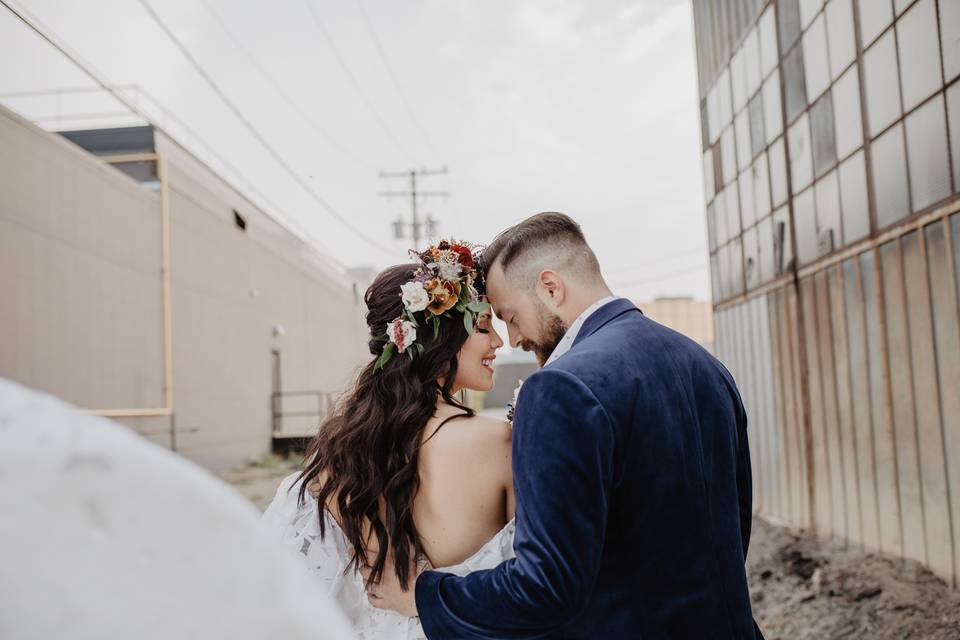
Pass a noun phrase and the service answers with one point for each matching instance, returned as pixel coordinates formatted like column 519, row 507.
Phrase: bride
column 402, row 470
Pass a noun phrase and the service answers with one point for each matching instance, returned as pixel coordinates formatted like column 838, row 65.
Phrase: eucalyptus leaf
column 468, row 323
column 436, row 327
column 385, row 356
column 478, row 307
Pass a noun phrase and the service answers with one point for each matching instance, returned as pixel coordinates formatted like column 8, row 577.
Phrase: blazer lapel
column 603, row 315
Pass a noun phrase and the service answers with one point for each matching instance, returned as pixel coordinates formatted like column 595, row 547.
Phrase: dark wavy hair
column 364, row 458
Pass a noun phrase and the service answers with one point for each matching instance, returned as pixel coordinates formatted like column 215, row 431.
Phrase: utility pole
column 415, row 226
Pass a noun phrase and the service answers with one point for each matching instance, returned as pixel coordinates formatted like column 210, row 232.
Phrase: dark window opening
column 239, row 221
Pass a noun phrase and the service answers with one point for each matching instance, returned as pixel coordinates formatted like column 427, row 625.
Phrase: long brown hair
column 364, row 458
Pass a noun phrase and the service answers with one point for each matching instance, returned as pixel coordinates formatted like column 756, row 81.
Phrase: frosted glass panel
column 724, row 97
column 713, row 114
column 882, row 88
column 761, row 186
column 823, row 138
column 919, row 53
column 747, row 213
column 827, row 197
column 765, row 249
column 806, row 224
column 772, row 114
column 768, row 40
column 900, row 5
column 853, row 198
column 711, row 228
column 777, row 159
column 757, row 138
column 738, row 81
column 846, row 111
column 733, row 211
column 875, row 16
column 815, row 64
column 788, row 23
column 708, row 186
column 890, row 176
column 782, row 242
column 840, row 35
column 751, row 260
column 949, row 30
column 808, row 10
column 751, row 61
column 720, row 217
column 736, row 267
column 927, row 153
column 794, row 87
column 953, row 111
column 742, row 126
column 723, row 262
column 801, row 156
column 715, row 278
column 728, row 156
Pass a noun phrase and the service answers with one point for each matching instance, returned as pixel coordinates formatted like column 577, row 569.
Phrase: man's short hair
column 548, row 235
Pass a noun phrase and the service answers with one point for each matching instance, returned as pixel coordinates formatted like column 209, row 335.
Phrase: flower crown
column 445, row 281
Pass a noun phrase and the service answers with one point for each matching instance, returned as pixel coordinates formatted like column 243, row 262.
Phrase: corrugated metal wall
column 851, row 380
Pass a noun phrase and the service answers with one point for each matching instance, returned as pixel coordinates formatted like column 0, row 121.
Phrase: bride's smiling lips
column 488, row 362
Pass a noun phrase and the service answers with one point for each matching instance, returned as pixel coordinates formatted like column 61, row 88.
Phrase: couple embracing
column 616, row 505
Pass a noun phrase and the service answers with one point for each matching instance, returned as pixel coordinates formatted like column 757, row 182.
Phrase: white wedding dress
column 296, row 527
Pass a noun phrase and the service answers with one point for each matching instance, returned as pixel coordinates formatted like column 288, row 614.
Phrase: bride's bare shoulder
column 468, row 434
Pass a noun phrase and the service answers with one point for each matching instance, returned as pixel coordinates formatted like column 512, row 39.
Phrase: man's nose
column 515, row 337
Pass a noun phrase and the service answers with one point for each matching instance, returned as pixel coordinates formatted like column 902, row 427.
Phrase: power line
column 681, row 254
column 386, row 64
column 255, row 132
column 280, row 91
column 353, row 80
column 44, row 32
column 664, row 276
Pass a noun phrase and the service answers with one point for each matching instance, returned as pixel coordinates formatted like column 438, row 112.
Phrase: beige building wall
column 81, row 292
column 692, row 318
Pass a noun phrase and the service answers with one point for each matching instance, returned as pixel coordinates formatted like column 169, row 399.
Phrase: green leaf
column 468, row 323
column 385, row 356
column 436, row 327
column 419, row 348
column 478, row 307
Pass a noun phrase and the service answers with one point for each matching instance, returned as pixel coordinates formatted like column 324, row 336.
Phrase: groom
column 630, row 465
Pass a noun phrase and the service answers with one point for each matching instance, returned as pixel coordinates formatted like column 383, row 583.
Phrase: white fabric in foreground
column 105, row 536
column 296, row 527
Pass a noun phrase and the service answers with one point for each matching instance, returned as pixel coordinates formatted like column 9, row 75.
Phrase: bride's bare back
column 466, row 486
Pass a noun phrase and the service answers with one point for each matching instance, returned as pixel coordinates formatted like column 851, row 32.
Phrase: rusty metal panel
column 822, row 487
column 885, row 463
column 830, row 426
column 766, row 402
column 933, row 473
column 778, row 411
column 946, row 329
column 901, row 396
column 848, row 443
column 804, row 491
column 860, row 402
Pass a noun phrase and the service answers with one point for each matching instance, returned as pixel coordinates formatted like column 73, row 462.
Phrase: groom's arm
column 563, row 446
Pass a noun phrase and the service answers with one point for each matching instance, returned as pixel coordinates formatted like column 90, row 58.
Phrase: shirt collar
column 571, row 335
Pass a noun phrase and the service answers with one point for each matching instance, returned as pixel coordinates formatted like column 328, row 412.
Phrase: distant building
column 692, row 318
column 831, row 164
column 138, row 284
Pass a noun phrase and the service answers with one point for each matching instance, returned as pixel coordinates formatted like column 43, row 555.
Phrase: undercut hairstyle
column 548, row 240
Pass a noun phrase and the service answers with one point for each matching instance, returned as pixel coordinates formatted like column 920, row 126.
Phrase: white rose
column 415, row 297
column 401, row 333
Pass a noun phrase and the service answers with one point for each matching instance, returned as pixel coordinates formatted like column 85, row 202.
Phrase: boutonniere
column 512, row 405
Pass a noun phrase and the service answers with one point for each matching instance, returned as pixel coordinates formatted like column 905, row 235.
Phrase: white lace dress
column 297, row 527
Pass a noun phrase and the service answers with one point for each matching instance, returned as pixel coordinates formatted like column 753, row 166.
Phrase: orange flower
column 443, row 295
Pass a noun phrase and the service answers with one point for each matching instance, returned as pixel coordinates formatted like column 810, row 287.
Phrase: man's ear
column 551, row 287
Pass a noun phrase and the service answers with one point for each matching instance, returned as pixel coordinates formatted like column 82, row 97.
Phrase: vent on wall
column 239, row 221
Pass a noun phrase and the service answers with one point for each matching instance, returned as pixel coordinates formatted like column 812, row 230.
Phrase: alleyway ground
column 802, row 589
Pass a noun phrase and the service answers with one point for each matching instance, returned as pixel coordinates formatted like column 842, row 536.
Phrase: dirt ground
column 802, row 588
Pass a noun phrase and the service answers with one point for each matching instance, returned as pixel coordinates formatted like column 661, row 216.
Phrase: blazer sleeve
column 563, row 452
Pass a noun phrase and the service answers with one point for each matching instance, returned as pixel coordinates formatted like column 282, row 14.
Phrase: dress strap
column 464, row 414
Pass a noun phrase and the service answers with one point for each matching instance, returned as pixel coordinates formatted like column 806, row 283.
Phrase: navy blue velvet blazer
column 632, row 478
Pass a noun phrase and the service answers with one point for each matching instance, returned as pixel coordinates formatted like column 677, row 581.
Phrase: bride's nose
column 496, row 339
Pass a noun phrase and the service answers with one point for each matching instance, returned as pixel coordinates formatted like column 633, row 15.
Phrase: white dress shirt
column 571, row 335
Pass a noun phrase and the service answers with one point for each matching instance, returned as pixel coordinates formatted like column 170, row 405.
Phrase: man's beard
column 552, row 331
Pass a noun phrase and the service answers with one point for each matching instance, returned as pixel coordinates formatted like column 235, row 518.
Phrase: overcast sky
column 589, row 108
